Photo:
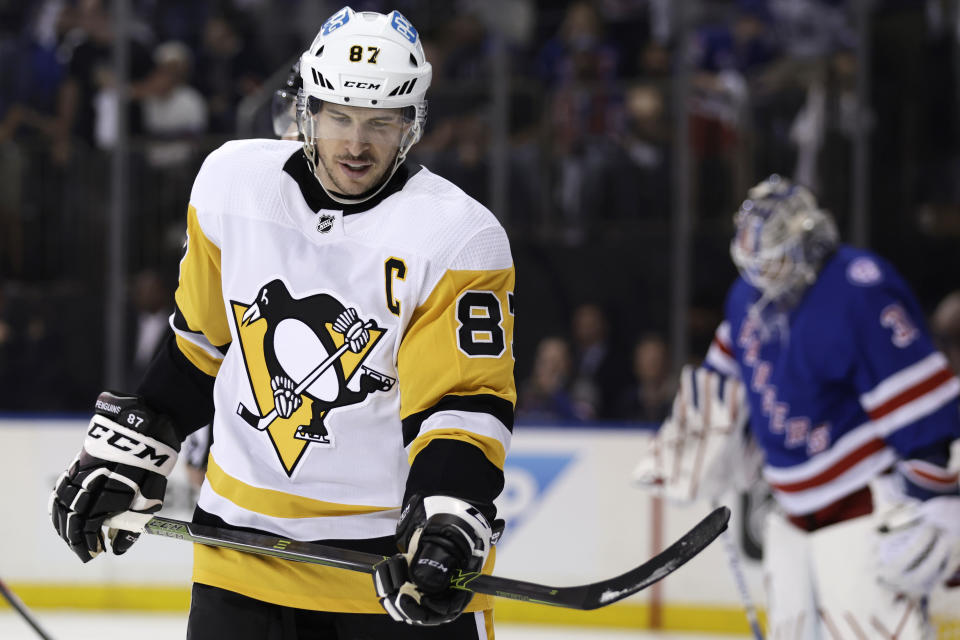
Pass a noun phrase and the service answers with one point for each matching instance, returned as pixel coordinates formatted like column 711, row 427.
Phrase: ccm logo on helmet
column 360, row 85
column 126, row 443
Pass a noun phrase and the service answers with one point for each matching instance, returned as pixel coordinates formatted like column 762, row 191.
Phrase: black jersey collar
column 316, row 198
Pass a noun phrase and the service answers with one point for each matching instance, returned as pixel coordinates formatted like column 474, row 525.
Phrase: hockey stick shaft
column 588, row 596
column 733, row 560
column 21, row 608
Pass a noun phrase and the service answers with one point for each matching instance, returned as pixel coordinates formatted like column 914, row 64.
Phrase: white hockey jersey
column 262, row 283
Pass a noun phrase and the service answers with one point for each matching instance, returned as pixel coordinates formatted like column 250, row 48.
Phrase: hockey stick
column 587, row 596
column 261, row 423
column 733, row 560
column 21, row 608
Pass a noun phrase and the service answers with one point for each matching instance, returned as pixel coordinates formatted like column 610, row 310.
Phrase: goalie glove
column 441, row 538
column 701, row 450
column 917, row 542
column 123, row 466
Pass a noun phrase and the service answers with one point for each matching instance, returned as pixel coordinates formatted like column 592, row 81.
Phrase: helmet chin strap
column 310, row 151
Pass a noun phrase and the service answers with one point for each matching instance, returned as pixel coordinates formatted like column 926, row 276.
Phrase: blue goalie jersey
column 843, row 386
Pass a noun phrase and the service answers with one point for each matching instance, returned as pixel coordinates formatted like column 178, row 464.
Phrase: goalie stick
column 586, row 596
column 736, row 569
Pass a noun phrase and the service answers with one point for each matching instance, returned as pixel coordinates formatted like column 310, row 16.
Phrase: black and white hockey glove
column 127, row 455
column 441, row 539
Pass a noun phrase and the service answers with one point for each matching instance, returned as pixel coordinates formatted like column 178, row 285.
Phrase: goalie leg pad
column 851, row 597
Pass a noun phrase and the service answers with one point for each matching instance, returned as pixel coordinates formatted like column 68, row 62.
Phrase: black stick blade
column 600, row 594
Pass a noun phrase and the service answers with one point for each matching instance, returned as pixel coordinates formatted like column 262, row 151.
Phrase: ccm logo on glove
column 110, row 441
column 439, row 566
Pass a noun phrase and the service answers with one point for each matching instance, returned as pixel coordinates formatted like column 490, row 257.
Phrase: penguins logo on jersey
column 301, row 355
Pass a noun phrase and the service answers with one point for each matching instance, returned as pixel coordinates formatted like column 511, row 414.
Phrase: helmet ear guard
column 781, row 238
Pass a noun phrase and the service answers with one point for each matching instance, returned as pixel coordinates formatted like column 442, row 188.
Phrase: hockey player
column 330, row 291
column 824, row 353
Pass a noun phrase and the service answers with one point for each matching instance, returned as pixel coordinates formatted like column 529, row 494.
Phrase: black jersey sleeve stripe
column 458, row 469
column 173, row 386
column 499, row 408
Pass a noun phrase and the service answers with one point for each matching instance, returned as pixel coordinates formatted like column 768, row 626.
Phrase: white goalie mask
column 781, row 239
column 372, row 67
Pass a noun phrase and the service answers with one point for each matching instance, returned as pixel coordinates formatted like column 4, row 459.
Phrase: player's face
column 356, row 146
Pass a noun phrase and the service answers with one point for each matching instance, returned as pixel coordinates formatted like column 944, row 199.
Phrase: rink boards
column 572, row 517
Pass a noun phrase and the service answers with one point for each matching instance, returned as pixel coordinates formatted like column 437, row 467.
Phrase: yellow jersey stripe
column 492, row 449
column 277, row 504
column 199, row 296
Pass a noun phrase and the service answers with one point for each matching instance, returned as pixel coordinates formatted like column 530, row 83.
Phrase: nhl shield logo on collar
column 325, row 223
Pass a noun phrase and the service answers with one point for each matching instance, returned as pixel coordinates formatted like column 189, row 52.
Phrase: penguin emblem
column 301, row 355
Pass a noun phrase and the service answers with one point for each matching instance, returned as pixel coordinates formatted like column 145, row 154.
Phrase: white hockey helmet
column 782, row 238
column 366, row 59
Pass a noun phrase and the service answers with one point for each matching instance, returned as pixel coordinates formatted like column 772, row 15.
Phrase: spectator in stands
column 945, row 326
column 579, row 67
column 87, row 104
column 728, row 55
column 174, row 119
column 174, row 113
column 151, row 296
column 649, row 396
column 230, row 68
column 30, row 76
column 597, row 378
column 645, row 176
column 545, row 394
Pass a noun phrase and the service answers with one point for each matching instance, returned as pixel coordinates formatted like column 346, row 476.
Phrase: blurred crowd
column 590, row 128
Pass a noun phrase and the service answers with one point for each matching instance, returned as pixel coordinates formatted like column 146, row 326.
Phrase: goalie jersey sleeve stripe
column 720, row 356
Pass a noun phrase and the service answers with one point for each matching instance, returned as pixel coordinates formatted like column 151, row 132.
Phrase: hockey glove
column 127, row 455
column 917, row 543
column 442, row 538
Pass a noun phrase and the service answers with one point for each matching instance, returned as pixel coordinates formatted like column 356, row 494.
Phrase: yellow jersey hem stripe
column 277, row 504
